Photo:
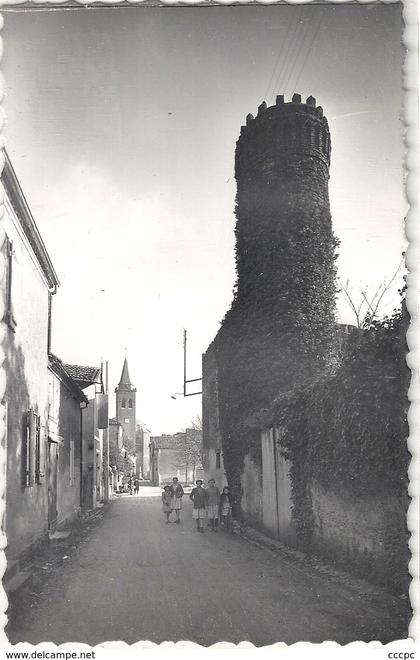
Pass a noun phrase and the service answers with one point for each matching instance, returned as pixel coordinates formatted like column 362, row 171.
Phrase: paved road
column 136, row 578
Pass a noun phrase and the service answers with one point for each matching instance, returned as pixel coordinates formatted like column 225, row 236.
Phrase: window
column 130, row 403
column 71, row 472
column 123, row 403
column 9, row 318
column 33, row 468
column 218, row 460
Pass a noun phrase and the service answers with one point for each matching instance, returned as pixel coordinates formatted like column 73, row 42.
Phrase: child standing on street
column 166, row 503
column 213, row 501
column 225, row 508
column 199, row 500
column 177, row 493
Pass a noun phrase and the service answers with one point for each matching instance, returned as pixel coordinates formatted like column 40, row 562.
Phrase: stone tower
column 277, row 336
column 285, row 247
column 125, row 395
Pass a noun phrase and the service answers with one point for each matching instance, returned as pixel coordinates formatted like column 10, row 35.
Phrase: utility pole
column 185, row 362
column 106, row 444
column 193, row 380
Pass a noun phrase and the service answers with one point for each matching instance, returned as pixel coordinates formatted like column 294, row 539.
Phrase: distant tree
column 194, row 444
column 116, row 458
column 366, row 307
column 197, row 423
column 129, row 446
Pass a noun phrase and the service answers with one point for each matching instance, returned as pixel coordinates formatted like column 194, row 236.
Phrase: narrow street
column 136, row 578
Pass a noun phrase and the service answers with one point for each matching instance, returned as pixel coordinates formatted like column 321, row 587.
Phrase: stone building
column 94, row 420
column 66, row 402
column 212, row 438
column 44, row 402
column 175, row 456
column 142, row 451
column 116, row 453
column 31, row 282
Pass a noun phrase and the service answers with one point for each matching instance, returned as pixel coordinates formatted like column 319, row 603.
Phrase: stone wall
column 361, row 534
column 89, row 476
column 212, row 440
column 252, row 495
column 277, row 499
column 26, row 367
column 69, row 463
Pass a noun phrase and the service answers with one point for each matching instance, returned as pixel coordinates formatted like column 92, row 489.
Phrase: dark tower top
column 125, row 403
column 284, row 240
column 279, row 136
column 282, row 170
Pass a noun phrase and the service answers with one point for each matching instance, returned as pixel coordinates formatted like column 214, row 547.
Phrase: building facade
column 66, row 402
column 142, row 451
column 31, row 282
column 212, row 438
column 94, row 421
column 176, row 455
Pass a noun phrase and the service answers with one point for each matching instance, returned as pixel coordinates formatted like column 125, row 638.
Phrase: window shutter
column 39, row 453
column 31, row 449
column 9, row 318
column 71, row 466
column 26, row 450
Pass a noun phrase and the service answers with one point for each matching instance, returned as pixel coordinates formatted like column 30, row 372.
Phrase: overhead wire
column 287, row 50
column 281, row 52
column 293, row 54
column 299, row 52
column 320, row 20
column 296, row 46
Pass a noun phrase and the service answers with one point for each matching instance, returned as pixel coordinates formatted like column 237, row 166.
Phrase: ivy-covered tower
column 279, row 330
column 285, row 247
column 125, row 403
column 283, row 231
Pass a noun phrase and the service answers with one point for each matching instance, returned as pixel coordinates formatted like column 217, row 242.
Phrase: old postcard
column 204, row 315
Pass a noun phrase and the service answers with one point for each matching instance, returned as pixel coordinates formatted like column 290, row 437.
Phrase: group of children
column 172, row 500
column 207, row 503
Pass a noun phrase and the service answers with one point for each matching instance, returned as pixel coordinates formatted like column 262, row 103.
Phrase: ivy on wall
column 347, row 431
column 278, row 331
column 283, row 361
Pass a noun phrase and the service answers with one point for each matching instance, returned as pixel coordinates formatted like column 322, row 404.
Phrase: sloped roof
column 60, row 370
column 176, row 442
column 84, row 376
column 27, row 222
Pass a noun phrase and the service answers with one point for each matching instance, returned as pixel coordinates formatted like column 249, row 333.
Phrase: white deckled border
column 411, row 15
column 411, row 118
column 3, row 463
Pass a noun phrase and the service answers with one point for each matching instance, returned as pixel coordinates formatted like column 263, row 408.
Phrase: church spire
column 125, row 376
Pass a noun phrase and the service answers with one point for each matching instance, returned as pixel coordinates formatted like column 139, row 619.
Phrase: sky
column 122, row 126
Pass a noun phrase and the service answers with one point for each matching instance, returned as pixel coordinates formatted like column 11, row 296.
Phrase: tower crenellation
column 296, row 129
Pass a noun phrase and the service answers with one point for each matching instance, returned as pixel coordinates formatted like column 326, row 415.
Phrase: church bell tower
column 125, row 395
